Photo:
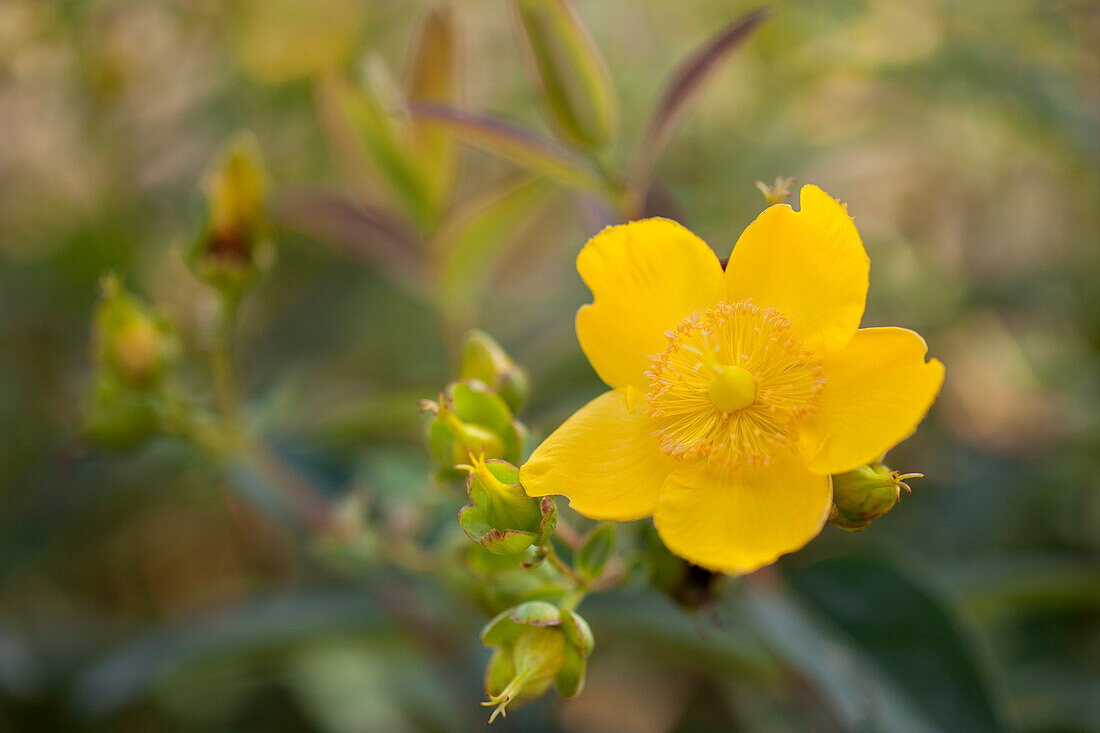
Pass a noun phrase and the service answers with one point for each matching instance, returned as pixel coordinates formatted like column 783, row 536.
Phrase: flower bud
column 470, row 419
column 131, row 346
column 502, row 518
column 233, row 246
column 777, row 193
column 484, row 359
column 118, row 416
column 536, row 644
column 864, row 494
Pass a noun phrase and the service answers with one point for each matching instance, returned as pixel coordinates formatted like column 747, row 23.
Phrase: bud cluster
column 538, row 640
column 134, row 393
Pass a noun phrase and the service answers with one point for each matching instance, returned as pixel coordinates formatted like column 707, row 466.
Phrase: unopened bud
column 470, row 419
column 118, row 416
column 537, row 644
column 777, row 193
column 233, row 246
column 866, row 493
column 502, row 518
column 484, row 359
column 131, row 346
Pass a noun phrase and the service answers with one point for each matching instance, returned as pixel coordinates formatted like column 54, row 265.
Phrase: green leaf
column 512, row 142
column 433, row 77
column 909, row 632
column 358, row 109
column 568, row 71
column 855, row 692
column 683, row 89
column 477, row 235
column 596, row 551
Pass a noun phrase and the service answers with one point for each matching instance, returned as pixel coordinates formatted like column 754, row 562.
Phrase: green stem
column 576, row 594
column 222, row 358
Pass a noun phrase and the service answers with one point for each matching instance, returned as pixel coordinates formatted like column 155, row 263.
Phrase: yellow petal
column 737, row 520
column 604, row 459
column 645, row 276
column 877, row 389
column 810, row 265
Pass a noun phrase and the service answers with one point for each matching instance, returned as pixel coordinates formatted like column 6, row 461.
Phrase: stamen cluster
column 759, row 340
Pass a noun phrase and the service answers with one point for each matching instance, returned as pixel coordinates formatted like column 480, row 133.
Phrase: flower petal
column 737, row 520
column 877, row 389
column 645, row 276
column 604, row 458
column 809, row 265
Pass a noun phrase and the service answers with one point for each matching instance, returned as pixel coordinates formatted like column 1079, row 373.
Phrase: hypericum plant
column 746, row 407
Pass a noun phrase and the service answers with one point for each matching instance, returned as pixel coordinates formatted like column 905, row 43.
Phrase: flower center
column 732, row 385
column 731, row 388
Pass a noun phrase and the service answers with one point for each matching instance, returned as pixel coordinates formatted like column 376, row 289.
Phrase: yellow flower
column 734, row 394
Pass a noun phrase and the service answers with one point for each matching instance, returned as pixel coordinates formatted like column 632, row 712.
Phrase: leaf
column 512, row 142
column 359, row 111
column 854, row 691
column 433, row 75
column 684, row 87
column 596, row 551
column 568, row 71
column 477, row 235
column 361, row 231
column 909, row 632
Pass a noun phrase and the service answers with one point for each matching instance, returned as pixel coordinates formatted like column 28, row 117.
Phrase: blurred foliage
column 163, row 590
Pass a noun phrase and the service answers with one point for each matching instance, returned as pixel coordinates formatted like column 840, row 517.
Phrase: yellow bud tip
column 900, row 479
column 488, row 479
column 778, row 193
column 731, row 388
column 501, row 703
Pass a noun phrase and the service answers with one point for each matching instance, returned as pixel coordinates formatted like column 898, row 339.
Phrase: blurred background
column 152, row 590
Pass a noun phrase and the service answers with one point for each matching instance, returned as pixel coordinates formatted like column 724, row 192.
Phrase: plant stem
column 222, row 357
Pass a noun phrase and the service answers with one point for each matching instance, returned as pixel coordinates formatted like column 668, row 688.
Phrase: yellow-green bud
column 131, row 346
column 233, row 247
column 471, row 419
column 118, row 416
column 484, row 359
column 777, row 193
column 537, row 644
column 502, row 518
column 864, row 494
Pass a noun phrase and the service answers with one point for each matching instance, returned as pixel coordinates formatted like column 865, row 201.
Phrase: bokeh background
column 150, row 590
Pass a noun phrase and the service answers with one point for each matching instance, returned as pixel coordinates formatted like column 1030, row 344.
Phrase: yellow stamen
column 732, row 386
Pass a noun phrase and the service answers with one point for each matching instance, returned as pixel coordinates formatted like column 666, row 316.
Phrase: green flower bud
column 778, row 193
column 118, row 416
column 233, row 246
column 536, row 644
column 131, row 346
column 470, row 419
column 484, row 360
column 502, row 518
column 866, row 493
